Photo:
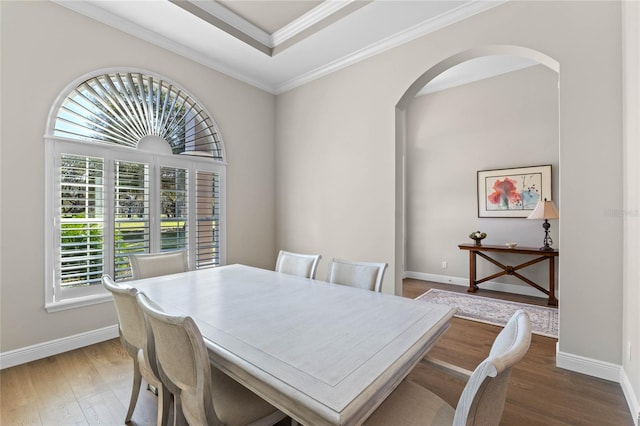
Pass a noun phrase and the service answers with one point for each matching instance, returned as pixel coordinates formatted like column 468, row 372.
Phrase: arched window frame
column 199, row 167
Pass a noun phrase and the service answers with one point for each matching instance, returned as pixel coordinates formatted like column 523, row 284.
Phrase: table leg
column 552, row 282
column 472, row 272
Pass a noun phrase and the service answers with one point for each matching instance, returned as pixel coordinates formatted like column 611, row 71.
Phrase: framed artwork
column 512, row 192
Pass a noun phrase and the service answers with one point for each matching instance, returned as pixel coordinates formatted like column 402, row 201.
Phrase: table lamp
column 545, row 210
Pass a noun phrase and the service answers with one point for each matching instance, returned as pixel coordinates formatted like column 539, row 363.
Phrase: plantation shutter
column 173, row 208
column 131, row 214
column 208, row 219
column 81, row 230
column 135, row 165
column 123, row 107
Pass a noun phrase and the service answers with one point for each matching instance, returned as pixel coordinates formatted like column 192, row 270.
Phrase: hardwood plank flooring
column 539, row 392
column 92, row 385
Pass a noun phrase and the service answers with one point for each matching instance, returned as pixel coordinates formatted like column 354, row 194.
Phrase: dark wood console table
column 511, row 270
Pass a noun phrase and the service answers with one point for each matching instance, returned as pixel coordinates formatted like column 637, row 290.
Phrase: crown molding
column 313, row 17
column 126, row 26
column 231, row 18
column 219, row 16
column 453, row 16
column 211, row 14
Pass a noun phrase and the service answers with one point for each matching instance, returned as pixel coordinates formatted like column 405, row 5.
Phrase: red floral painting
column 505, row 192
column 512, row 192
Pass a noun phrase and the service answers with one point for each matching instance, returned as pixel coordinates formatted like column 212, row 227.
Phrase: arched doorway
column 401, row 131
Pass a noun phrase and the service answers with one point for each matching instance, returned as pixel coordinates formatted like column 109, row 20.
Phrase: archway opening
column 408, row 206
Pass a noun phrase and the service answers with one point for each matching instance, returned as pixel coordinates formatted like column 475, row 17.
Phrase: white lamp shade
column 545, row 210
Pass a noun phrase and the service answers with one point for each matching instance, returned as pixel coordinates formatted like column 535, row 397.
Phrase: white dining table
column 325, row 354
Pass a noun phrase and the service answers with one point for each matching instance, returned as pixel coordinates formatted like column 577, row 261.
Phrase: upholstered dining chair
column 482, row 400
column 365, row 275
column 203, row 394
column 147, row 265
column 139, row 345
column 302, row 265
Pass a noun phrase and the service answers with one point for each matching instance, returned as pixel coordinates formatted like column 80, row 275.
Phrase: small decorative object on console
column 478, row 237
column 511, row 245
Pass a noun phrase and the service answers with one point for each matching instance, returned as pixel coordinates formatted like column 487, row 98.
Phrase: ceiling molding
column 313, row 17
column 220, row 11
column 311, row 27
column 128, row 27
column 456, row 15
column 235, row 25
column 274, row 81
column 222, row 18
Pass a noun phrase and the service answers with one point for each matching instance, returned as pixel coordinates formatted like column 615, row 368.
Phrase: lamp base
column 547, row 239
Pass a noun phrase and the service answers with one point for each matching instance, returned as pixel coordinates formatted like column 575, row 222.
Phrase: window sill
column 77, row 302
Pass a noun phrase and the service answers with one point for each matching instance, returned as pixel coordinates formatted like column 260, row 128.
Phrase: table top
column 322, row 353
column 505, row 249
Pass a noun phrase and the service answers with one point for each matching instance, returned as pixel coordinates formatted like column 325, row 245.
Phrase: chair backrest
column 365, row 275
column 482, row 400
column 302, row 265
column 131, row 320
column 147, row 265
column 182, row 359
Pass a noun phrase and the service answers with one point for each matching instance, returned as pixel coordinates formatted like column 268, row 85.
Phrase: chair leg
column 179, row 419
column 135, row 390
column 164, row 405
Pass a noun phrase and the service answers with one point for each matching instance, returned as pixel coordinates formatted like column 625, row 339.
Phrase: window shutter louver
column 173, row 214
column 81, row 221
column 131, row 215
column 122, row 108
column 208, row 218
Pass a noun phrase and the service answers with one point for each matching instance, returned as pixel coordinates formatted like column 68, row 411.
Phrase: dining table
column 324, row 354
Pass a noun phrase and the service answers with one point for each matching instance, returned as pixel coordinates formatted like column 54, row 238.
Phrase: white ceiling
column 277, row 45
column 271, row 15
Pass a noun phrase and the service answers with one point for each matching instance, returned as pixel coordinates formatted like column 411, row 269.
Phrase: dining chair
column 365, row 275
column 302, row 265
column 482, row 399
column 147, row 265
column 138, row 344
column 203, row 394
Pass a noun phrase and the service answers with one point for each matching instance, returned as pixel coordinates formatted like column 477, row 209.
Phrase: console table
column 481, row 250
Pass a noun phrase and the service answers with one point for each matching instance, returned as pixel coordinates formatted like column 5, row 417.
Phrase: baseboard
column 631, row 397
column 489, row 285
column 577, row 363
column 602, row 370
column 54, row 347
column 589, row 366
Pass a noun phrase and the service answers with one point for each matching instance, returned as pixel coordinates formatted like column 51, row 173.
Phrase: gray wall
column 510, row 120
column 335, row 174
column 44, row 48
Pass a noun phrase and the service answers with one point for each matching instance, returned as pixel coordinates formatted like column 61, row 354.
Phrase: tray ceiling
column 278, row 45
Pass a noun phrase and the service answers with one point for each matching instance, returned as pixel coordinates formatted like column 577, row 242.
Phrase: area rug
column 544, row 320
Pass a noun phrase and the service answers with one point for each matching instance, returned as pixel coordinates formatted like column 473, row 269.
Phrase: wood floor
column 92, row 385
column 539, row 392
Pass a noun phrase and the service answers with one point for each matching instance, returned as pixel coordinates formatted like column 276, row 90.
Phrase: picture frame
column 512, row 192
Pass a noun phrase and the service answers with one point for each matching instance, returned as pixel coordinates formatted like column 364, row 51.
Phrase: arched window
column 134, row 165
